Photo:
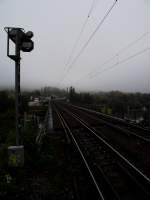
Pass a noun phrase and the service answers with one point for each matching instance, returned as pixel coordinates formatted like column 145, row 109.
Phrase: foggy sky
column 56, row 25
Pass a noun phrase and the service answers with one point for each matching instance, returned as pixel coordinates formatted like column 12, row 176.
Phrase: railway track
column 116, row 123
column 136, row 149
column 114, row 176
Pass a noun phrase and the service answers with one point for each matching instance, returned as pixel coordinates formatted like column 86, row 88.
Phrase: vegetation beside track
column 43, row 175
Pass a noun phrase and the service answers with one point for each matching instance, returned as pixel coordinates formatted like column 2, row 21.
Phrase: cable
column 118, row 63
column 92, row 35
column 123, row 61
column 79, row 36
column 134, row 42
column 92, row 73
column 90, row 38
column 82, row 30
column 123, row 49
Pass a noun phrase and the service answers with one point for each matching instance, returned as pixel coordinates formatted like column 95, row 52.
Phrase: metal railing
column 42, row 130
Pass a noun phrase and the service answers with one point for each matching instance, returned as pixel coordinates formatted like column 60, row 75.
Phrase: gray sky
column 56, row 25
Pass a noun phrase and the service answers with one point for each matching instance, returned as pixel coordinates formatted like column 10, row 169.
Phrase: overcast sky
column 56, row 25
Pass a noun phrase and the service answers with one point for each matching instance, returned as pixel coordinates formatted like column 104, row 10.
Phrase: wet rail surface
column 134, row 129
column 114, row 176
column 136, row 149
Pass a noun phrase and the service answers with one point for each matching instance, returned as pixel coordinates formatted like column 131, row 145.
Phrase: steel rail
column 67, row 130
column 115, row 126
column 111, row 117
column 111, row 148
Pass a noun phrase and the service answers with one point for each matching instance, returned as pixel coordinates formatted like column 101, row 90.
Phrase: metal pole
column 22, row 42
column 17, row 89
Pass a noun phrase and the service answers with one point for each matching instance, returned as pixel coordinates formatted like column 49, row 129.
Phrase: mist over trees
column 115, row 102
column 50, row 91
column 120, row 104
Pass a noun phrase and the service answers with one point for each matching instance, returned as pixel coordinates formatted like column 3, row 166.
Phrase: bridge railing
column 42, row 130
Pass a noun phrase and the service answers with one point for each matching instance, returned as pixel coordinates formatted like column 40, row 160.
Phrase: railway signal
column 23, row 43
column 21, row 39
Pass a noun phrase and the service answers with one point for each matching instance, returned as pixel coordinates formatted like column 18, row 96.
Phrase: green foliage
column 83, row 98
column 52, row 91
column 72, row 94
column 6, row 101
column 120, row 101
column 7, row 117
column 115, row 102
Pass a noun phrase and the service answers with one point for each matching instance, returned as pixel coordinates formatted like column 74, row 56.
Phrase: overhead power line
column 134, row 42
column 119, row 62
column 90, row 38
column 82, row 30
column 79, row 37
column 94, row 71
column 92, row 35
column 122, row 61
column 121, row 51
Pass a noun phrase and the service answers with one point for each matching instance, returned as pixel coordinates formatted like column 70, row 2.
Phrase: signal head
column 29, row 34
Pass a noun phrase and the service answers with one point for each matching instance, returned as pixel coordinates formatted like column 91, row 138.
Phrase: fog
column 56, row 26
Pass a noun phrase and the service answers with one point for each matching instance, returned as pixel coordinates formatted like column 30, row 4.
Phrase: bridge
column 111, row 154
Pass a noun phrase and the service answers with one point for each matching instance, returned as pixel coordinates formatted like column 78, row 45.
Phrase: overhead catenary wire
column 124, row 60
column 94, row 71
column 92, row 35
column 81, row 31
column 121, row 62
column 90, row 38
column 123, row 49
column 93, row 5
